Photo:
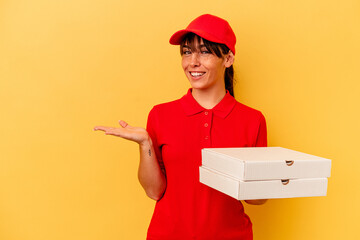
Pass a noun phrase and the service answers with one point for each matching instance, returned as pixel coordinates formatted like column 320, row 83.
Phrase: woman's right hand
column 136, row 134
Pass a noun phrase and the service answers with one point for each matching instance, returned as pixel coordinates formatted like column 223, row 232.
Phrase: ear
column 229, row 59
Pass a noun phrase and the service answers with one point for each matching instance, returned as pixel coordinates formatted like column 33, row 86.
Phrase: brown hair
column 219, row 50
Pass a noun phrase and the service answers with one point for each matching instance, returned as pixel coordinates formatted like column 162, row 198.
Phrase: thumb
column 123, row 123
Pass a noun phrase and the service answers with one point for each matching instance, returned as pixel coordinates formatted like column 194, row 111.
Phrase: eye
column 186, row 51
column 205, row 51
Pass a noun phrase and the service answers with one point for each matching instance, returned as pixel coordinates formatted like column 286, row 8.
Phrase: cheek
column 214, row 68
column 183, row 64
column 213, row 62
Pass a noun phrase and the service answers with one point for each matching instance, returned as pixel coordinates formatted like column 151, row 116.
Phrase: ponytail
column 229, row 80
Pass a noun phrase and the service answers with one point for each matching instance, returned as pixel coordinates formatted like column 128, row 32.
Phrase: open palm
column 136, row 134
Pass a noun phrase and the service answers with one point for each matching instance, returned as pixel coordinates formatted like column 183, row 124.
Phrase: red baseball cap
column 209, row 27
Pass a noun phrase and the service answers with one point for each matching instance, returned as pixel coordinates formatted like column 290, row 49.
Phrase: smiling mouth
column 197, row 74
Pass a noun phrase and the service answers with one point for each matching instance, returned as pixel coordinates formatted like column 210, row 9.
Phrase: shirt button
column 206, row 112
column 205, row 125
column 206, row 137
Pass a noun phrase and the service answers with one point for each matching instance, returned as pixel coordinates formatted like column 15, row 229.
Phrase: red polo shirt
column 179, row 130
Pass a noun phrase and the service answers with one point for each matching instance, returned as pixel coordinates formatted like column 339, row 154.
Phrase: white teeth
column 196, row 74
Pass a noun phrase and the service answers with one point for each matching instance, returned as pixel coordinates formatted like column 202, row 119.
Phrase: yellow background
column 66, row 66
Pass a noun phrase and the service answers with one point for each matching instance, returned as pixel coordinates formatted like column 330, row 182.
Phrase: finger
column 109, row 131
column 114, row 132
column 102, row 128
column 123, row 123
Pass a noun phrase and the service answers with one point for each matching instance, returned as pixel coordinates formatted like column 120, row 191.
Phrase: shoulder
column 164, row 114
column 247, row 111
column 165, row 108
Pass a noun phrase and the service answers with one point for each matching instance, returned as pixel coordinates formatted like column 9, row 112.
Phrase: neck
column 208, row 98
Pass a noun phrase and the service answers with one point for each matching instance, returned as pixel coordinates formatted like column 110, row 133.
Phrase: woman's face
column 203, row 69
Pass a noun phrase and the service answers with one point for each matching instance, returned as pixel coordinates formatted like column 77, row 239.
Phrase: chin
column 198, row 85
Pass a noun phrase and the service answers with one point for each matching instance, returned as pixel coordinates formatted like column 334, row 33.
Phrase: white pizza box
column 265, row 163
column 263, row 189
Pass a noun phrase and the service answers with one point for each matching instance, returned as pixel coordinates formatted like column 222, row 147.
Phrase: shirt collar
column 222, row 109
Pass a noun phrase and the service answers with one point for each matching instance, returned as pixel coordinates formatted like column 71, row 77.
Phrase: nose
column 195, row 60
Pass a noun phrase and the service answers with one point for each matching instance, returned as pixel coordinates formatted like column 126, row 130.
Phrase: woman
column 207, row 116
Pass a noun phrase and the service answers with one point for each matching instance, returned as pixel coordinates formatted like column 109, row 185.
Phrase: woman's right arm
column 150, row 175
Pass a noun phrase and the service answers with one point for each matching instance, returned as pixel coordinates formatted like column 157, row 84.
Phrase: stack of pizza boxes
column 264, row 172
